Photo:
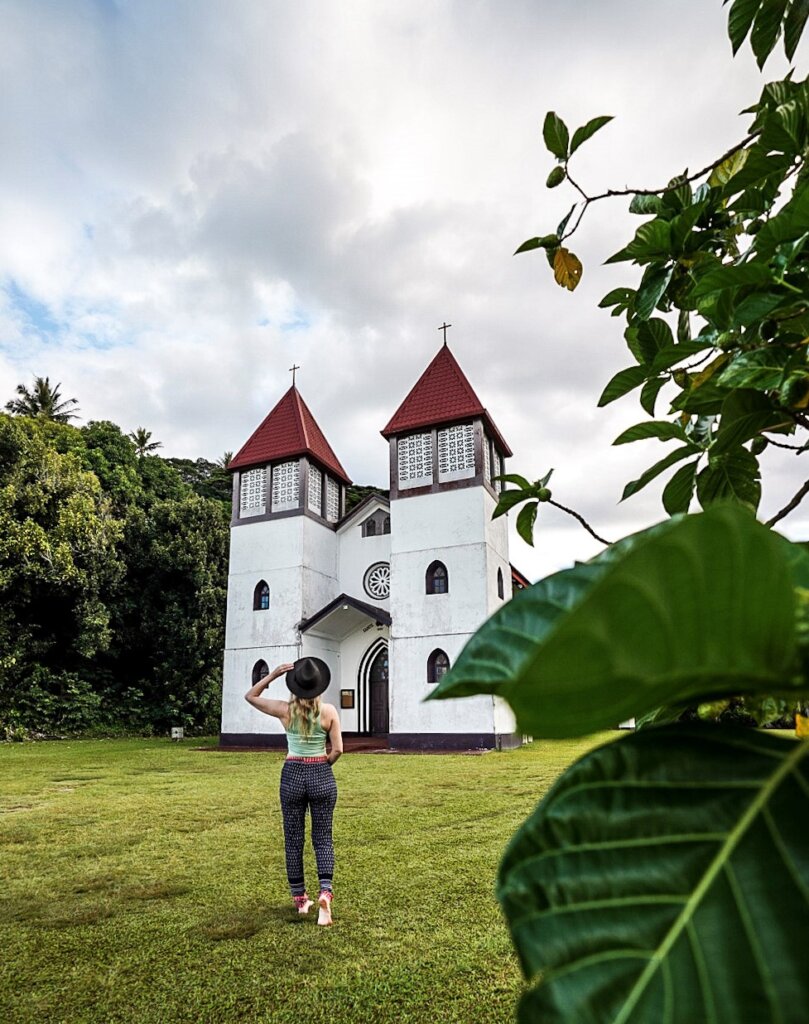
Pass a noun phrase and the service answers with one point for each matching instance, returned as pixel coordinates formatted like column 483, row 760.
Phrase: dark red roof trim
column 442, row 394
column 289, row 429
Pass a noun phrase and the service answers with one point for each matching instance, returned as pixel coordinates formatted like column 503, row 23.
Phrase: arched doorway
column 374, row 703
column 378, row 693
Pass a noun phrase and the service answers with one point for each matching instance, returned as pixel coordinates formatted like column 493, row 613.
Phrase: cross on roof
column 292, row 370
column 443, row 328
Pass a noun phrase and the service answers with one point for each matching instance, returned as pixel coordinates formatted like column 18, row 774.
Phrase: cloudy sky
column 197, row 193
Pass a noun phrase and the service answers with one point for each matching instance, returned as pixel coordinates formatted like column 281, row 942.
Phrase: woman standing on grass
column 307, row 779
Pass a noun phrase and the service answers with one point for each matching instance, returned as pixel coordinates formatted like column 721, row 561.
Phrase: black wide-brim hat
column 308, row 678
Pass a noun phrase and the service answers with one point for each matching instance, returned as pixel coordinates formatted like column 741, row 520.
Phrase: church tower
column 288, row 495
column 449, row 561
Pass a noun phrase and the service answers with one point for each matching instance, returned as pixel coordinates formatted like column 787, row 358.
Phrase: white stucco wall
column 273, row 551
column 454, row 527
column 409, row 688
column 237, row 715
column 358, row 553
column 504, row 721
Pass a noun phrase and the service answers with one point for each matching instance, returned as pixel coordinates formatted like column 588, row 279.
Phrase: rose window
column 377, row 581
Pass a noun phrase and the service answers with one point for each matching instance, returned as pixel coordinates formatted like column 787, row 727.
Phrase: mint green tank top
column 313, row 745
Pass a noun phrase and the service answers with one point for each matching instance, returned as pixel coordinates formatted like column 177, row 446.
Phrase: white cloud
column 199, row 194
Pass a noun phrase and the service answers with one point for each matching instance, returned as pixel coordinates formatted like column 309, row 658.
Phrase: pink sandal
column 303, row 903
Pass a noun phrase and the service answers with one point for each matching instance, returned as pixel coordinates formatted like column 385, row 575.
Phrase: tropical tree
column 58, row 561
column 143, row 445
column 665, row 877
column 43, row 402
column 225, row 460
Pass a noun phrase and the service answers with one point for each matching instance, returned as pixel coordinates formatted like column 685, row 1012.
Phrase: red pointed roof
column 442, row 394
column 289, row 429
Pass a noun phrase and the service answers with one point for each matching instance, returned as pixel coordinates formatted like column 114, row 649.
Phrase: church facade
column 387, row 593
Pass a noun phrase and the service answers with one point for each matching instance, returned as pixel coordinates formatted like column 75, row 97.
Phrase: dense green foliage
column 112, row 585
column 724, row 250
column 666, row 876
column 144, row 883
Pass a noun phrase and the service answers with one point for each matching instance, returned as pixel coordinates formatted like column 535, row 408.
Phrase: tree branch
column 612, row 192
column 791, row 447
column 679, row 181
column 790, row 506
column 583, row 521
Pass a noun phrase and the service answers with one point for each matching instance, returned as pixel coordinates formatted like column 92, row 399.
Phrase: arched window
column 261, row 597
column 437, row 579
column 500, row 583
column 370, row 528
column 386, row 524
column 437, row 666
column 260, row 669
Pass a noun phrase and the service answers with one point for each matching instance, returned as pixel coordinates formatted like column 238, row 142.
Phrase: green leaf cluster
column 637, row 868
column 112, row 583
column 666, row 876
column 730, row 259
column 523, row 491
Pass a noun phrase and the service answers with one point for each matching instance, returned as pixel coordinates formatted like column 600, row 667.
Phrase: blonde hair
column 303, row 713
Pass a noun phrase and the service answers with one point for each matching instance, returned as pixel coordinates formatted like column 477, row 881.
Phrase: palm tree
column 43, row 402
column 225, row 460
column 143, row 445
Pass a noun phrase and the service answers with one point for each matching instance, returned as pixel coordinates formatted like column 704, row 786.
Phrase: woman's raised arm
column 276, row 708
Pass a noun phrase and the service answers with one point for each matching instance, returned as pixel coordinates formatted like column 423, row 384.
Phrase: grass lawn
column 144, row 882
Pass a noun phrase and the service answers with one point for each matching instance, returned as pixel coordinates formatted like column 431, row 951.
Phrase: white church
column 388, row 593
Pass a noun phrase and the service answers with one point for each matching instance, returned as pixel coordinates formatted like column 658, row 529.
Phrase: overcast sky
column 194, row 194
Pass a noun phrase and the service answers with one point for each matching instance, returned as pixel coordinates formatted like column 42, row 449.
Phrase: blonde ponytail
column 303, row 713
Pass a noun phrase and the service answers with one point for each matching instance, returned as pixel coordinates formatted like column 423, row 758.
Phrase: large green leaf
column 652, row 286
column 649, row 393
column 679, row 491
column 665, row 880
column 662, row 429
column 586, row 131
column 659, row 467
column 555, row 134
column 653, row 336
column 622, row 383
column 745, row 414
column 767, row 29
column 500, row 647
column 740, row 20
column 696, row 607
column 794, row 26
column 730, row 476
column 762, row 369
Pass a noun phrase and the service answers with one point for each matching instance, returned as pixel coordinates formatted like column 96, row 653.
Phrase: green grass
column 144, row 882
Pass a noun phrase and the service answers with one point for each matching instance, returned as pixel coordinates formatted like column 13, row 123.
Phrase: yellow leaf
column 802, row 727
column 567, row 269
column 724, row 172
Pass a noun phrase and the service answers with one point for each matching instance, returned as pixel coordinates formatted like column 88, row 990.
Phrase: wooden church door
column 378, row 685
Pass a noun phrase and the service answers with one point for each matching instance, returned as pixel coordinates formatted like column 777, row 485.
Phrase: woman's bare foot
column 324, row 903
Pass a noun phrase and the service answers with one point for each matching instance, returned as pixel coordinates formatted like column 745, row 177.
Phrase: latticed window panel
column 285, row 486
column 252, row 491
column 315, row 489
column 499, row 469
column 415, row 460
column 487, row 458
column 456, row 452
column 377, row 581
column 332, row 500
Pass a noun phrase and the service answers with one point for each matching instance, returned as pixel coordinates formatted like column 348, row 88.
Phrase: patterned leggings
column 308, row 784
